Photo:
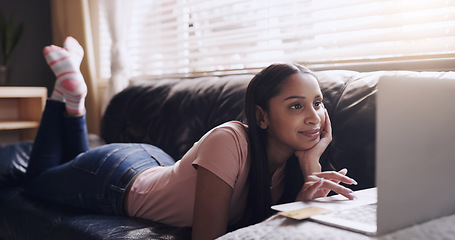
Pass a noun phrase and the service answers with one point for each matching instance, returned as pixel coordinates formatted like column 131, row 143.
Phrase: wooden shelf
column 11, row 125
column 20, row 112
column 23, row 92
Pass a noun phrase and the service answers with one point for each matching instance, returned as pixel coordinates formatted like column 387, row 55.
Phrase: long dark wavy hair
column 264, row 86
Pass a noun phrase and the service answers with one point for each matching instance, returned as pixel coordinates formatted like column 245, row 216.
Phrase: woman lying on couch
column 230, row 177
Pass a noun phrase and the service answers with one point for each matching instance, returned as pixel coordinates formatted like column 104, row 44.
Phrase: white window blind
column 181, row 37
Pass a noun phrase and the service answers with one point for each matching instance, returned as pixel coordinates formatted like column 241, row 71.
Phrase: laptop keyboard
column 363, row 214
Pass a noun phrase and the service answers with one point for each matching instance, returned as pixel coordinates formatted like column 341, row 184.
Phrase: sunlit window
column 181, row 37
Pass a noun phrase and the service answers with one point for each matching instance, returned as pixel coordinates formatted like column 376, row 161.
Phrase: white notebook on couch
column 415, row 160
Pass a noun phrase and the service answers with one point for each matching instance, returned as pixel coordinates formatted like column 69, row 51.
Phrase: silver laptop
column 415, row 160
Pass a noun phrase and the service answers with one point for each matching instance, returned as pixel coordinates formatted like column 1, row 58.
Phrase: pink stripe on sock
column 77, row 97
column 58, row 60
column 62, row 74
column 70, row 101
column 58, row 91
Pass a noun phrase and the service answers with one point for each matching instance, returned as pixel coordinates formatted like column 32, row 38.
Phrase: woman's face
column 296, row 115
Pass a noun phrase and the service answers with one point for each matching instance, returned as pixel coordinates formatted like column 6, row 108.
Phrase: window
column 199, row 37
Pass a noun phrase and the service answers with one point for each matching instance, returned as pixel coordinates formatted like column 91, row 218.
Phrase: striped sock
column 70, row 86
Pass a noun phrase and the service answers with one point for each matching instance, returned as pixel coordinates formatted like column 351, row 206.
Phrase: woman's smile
column 313, row 134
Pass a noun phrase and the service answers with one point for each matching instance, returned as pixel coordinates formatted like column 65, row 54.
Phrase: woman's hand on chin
column 319, row 184
column 309, row 159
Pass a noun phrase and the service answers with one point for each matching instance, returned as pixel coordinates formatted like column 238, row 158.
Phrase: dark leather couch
column 173, row 114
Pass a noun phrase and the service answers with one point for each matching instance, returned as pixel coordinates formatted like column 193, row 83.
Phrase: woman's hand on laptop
column 319, row 184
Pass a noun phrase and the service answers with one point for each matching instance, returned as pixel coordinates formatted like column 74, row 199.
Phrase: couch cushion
column 13, row 163
column 353, row 116
column 14, row 160
column 24, row 217
column 173, row 114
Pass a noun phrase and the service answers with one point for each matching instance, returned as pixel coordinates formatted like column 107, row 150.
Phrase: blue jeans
column 63, row 170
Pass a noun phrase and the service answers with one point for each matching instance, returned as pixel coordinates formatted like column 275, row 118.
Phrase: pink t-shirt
column 166, row 194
